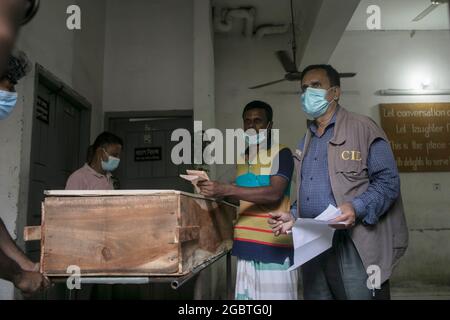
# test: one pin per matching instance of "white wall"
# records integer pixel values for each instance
(75, 58)
(148, 55)
(88, 59)
(203, 59)
(394, 59)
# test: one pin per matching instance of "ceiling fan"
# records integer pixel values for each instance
(290, 65)
(434, 4)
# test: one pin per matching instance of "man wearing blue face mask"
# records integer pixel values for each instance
(345, 160)
(17, 68)
(8, 101)
(103, 159)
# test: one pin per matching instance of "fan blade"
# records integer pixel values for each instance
(267, 84)
(288, 65)
(427, 11)
(347, 75)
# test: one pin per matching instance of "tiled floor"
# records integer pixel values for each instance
(416, 291)
(421, 292)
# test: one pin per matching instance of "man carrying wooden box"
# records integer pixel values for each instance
(14, 265)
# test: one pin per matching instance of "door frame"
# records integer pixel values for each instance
(45, 77)
(109, 116)
(53, 82)
(143, 115)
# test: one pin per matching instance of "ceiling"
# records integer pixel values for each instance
(270, 11)
(398, 15)
(319, 23)
(267, 10)
(395, 14)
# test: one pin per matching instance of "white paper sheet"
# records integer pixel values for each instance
(313, 236)
(194, 176)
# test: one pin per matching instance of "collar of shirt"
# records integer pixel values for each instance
(97, 174)
(313, 125)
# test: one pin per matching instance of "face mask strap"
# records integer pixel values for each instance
(107, 154)
(335, 98)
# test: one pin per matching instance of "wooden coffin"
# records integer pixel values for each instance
(131, 233)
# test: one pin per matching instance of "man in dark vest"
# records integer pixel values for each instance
(345, 160)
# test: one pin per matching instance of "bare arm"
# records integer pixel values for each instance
(12, 251)
(259, 195)
(26, 281)
(9, 269)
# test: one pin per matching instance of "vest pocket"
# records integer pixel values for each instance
(352, 170)
(400, 240)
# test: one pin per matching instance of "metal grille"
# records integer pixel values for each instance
(43, 110)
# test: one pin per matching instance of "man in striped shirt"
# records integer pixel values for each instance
(262, 187)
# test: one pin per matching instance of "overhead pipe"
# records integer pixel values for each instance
(223, 19)
(223, 22)
(266, 30)
(220, 23)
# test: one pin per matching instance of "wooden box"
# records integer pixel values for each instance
(131, 233)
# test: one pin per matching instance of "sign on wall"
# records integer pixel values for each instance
(419, 134)
(147, 154)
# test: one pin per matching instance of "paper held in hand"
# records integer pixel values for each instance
(313, 236)
(194, 176)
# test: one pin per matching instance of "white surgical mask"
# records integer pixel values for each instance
(256, 138)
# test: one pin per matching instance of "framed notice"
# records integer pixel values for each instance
(147, 154)
(419, 134)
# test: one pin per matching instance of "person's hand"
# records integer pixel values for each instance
(281, 222)
(30, 266)
(36, 267)
(348, 216)
(30, 282)
(213, 189)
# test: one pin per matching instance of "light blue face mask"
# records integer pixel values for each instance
(314, 102)
(255, 139)
(8, 101)
(112, 163)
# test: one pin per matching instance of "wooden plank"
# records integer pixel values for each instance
(92, 193)
(43, 262)
(124, 235)
(32, 233)
(80, 193)
(215, 220)
(188, 233)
